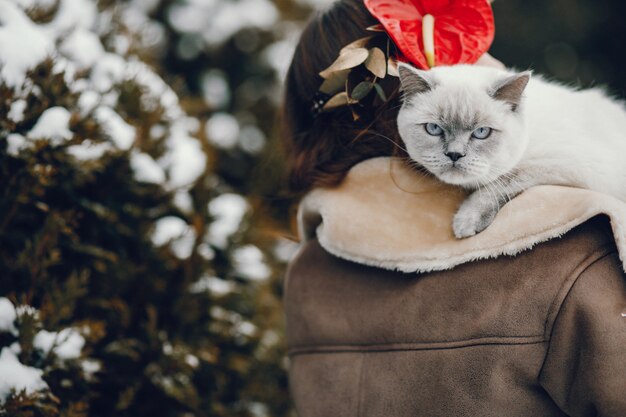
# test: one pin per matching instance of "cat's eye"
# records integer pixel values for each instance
(482, 133)
(433, 129)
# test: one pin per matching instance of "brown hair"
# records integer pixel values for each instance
(321, 150)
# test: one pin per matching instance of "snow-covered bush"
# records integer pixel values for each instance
(131, 283)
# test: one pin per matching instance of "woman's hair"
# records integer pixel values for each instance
(322, 149)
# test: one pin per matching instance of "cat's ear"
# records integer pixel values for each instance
(511, 89)
(413, 80)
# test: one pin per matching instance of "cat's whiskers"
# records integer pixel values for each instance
(503, 190)
(495, 193)
(496, 189)
(511, 180)
(419, 169)
(489, 191)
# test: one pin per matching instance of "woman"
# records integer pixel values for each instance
(541, 333)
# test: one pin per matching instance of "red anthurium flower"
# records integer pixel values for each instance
(463, 29)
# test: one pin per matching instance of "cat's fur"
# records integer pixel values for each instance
(543, 133)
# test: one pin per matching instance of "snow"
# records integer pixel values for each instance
(285, 249)
(218, 21)
(90, 366)
(29, 4)
(61, 65)
(183, 201)
(239, 325)
(121, 44)
(244, 328)
(83, 48)
(108, 71)
(73, 14)
(317, 4)
(186, 18)
(7, 316)
(167, 229)
(252, 139)
(248, 262)
(146, 169)
(278, 55)
(148, 33)
(22, 377)
(53, 124)
(89, 150)
(15, 144)
(206, 251)
(215, 89)
(192, 361)
(167, 348)
(183, 247)
(74, 27)
(15, 348)
(147, 6)
(16, 113)
(24, 309)
(270, 338)
(222, 130)
(189, 46)
(227, 211)
(220, 313)
(214, 285)
(157, 131)
(120, 132)
(184, 159)
(157, 92)
(23, 45)
(233, 16)
(66, 344)
(88, 101)
(110, 99)
(175, 231)
(258, 409)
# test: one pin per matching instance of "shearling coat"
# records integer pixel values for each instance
(389, 316)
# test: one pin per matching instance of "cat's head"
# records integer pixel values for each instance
(465, 124)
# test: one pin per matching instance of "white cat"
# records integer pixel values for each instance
(498, 133)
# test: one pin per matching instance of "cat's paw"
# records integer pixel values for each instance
(472, 218)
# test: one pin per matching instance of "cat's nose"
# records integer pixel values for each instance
(455, 156)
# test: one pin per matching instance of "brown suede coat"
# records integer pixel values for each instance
(539, 334)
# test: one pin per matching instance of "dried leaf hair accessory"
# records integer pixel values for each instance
(343, 86)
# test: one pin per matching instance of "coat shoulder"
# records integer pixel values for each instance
(502, 298)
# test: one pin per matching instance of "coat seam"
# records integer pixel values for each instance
(563, 301)
(563, 292)
(408, 347)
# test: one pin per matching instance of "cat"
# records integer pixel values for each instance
(497, 133)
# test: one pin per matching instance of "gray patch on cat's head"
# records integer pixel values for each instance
(460, 99)
(456, 113)
(414, 81)
(511, 89)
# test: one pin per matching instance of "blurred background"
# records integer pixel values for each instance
(144, 226)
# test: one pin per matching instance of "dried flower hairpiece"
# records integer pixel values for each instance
(342, 88)
(424, 32)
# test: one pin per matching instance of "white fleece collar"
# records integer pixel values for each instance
(387, 215)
